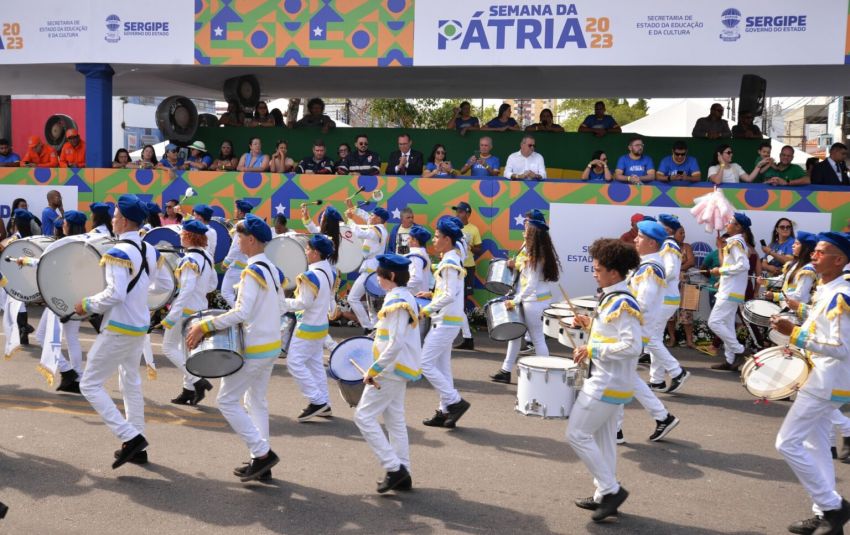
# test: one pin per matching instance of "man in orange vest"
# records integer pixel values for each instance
(73, 153)
(39, 154)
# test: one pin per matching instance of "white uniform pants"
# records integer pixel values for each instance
(647, 399)
(355, 296)
(437, 363)
(41, 329)
(71, 332)
(464, 329)
(840, 421)
(251, 422)
(230, 279)
(533, 314)
(304, 362)
(388, 402)
(172, 346)
(662, 361)
(803, 440)
(121, 353)
(592, 433)
(722, 323)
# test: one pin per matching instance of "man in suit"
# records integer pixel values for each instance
(405, 160)
(833, 170)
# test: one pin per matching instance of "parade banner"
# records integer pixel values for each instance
(656, 32)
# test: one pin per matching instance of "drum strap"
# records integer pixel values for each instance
(203, 255)
(322, 271)
(143, 252)
(271, 274)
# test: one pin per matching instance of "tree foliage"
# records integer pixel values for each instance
(572, 111)
(421, 112)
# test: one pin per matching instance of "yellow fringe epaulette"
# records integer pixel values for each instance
(623, 305)
(646, 274)
(668, 248)
(253, 274)
(807, 273)
(301, 279)
(109, 259)
(839, 305)
(191, 265)
(2, 280)
(734, 243)
(47, 374)
(459, 269)
(399, 306)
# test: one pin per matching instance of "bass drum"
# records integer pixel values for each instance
(350, 251)
(22, 283)
(289, 254)
(70, 271)
(165, 236)
(157, 301)
(348, 377)
(222, 227)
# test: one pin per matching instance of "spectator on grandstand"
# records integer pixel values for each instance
(198, 159)
(234, 116)
(261, 117)
(438, 166)
(525, 164)
(786, 173)
(172, 159)
(172, 215)
(39, 154)
(763, 162)
(226, 160)
(7, 157)
(73, 153)
(318, 163)
(714, 126)
(280, 162)
(148, 159)
(362, 161)
(679, 166)
(254, 159)
(598, 123)
(343, 151)
(635, 166)
(833, 170)
(547, 123)
(315, 117)
(503, 122)
(745, 129)
(724, 171)
(121, 159)
(462, 119)
(406, 160)
(277, 115)
(597, 169)
(810, 164)
(483, 163)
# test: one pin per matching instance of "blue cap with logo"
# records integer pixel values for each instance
(195, 226)
(382, 213)
(838, 239)
(393, 262)
(463, 205)
(333, 213)
(743, 220)
(807, 237)
(257, 228)
(323, 244)
(74, 217)
(203, 210)
(132, 208)
(670, 221)
(244, 206)
(652, 230)
(104, 207)
(420, 234)
(447, 228)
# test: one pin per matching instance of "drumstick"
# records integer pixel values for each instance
(361, 370)
(569, 303)
(317, 203)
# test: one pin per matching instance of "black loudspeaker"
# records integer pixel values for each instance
(751, 98)
(54, 129)
(177, 119)
(245, 90)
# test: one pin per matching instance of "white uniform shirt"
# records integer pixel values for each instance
(734, 270)
(532, 287)
(212, 240)
(518, 164)
(313, 297)
(671, 258)
(647, 285)
(396, 349)
(235, 258)
(374, 241)
(420, 270)
(800, 286)
(196, 277)
(447, 303)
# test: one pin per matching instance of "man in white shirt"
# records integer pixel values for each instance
(526, 163)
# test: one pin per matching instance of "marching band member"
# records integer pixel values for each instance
(663, 362)
(205, 214)
(153, 220)
(803, 438)
(733, 283)
(397, 355)
(23, 229)
(257, 308)
(420, 262)
(612, 353)
(798, 276)
(101, 218)
(313, 294)
(329, 221)
(374, 236)
(129, 266)
(235, 260)
(445, 310)
(540, 267)
(196, 277)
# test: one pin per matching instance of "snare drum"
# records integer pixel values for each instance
(157, 301)
(586, 304)
(70, 271)
(424, 323)
(546, 386)
(551, 317)
(500, 278)
(775, 372)
(759, 311)
(21, 283)
(690, 297)
(562, 305)
(350, 251)
(167, 236)
(568, 335)
(287, 329)
(777, 337)
(374, 295)
(503, 324)
(220, 352)
(289, 254)
(222, 227)
(348, 377)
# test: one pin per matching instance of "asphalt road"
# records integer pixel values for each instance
(498, 472)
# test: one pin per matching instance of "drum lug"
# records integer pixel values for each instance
(532, 406)
(546, 376)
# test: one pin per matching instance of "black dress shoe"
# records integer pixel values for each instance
(805, 527)
(466, 343)
(739, 361)
(201, 387)
(501, 376)
(139, 458)
(393, 480)
(130, 449)
(407, 484)
(587, 503)
(258, 467)
(240, 471)
(644, 359)
(833, 520)
(3, 510)
(437, 420)
(725, 366)
(186, 397)
(609, 504)
(844, 453)
(834, 451)
(315, 409)
(70, 382)
(455, 411)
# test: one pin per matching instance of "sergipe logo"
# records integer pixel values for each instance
(731, 19)
(448, 30)
(113, 29)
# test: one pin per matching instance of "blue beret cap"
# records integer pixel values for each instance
(453, 220)
(539, 224)
(393, 262)
(203, 210)
(257, 228)
(463, 205)
(652, 230)
(535, 214)
(447, 228)
(670, 221)
(838, 239)
(23, 215)
(333, 213)
(195, 226)
(323, 244)
(743, 220)
(132, 208)
(153, 208)
(58, 223)
(807, 238)
(649, 218)
(244, 206)
(382, 213)
(420, 234)
(171, 146)
(105, 207)
(75, 218)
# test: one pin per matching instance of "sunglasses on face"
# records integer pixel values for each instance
(531, 145)
(727, 152)
(784, 227)
(680, 153)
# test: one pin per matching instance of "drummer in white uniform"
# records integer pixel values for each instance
(257, 309)
(23, 229)
(397, 355)
(374, 236)
(101, 218)
(235, 260)
(313, 294)
(205, 214)
(662, 362)
(612, 353)
(803, 438)
(196, 277)
(420, 262)
(329, 221)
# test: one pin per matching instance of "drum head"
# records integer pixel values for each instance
(508, 331)
(562, 306)
(775, 373)
(358, 349)
(547, 363)
(762, 308)
(214, 363)
(222, 241)
(778, 338)
(350, 251)
(373, 287)
(588, 302)
(68, 273)
(159, 300)
(558, 313)
(22, 283)
(167, 236)
(289, 254)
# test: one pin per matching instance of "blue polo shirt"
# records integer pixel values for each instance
(461, 123)
(479, 170)
(10, 158)
(48, 219)
(606, 122)
(496, 123)
(637, 167)
(593, 176)
(670, 168)
(206, 159)
(165, 163)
